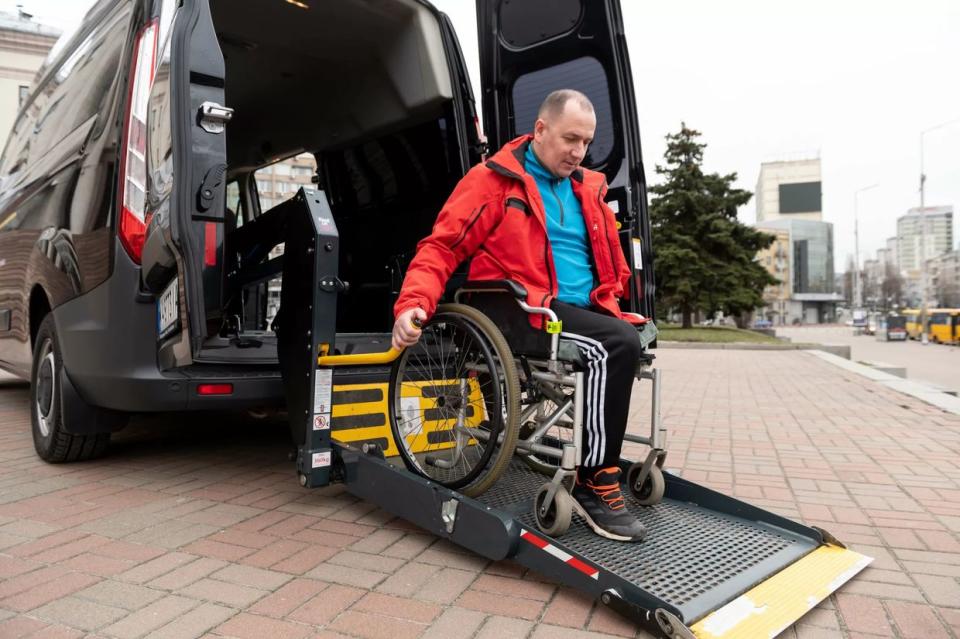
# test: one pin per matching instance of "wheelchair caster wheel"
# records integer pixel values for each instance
(553, 520)
(650, 491)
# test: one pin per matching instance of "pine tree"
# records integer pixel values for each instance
(705, 258)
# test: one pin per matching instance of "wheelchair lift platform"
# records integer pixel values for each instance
(711, 566)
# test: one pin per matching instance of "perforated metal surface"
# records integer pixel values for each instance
(693, 558)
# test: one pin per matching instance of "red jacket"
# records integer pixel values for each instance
(495, 215)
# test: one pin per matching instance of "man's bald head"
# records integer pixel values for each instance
(553, 105)
(563, 131)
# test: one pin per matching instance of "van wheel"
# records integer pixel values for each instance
(51, 441)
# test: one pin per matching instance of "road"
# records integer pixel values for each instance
(936, 364)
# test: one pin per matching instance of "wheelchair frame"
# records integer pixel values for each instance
(550, 377)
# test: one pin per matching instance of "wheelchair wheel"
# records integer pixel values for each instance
(649, 492)
(554, 520)
(454, 403)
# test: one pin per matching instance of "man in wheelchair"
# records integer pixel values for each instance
(533, 215)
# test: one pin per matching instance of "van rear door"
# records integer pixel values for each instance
(527, 51)
(187, 158)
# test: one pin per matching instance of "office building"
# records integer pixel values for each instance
(789, 189)
(24, 44)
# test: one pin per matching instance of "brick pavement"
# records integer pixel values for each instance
(196, 527)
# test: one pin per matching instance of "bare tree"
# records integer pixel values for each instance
(891, 290)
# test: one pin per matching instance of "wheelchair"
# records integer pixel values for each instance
(482, 386)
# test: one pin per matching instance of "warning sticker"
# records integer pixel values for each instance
(411, 416)
(322, 390)
(321, 421)
(637, 254)
(321, 459)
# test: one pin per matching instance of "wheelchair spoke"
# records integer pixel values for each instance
(447, 404)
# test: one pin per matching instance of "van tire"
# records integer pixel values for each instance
(50, 439)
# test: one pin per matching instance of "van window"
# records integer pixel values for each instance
(276, 183)
(281, 180)
(526, 23)
(235, 203)
(583, 74)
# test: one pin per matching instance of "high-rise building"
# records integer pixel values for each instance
(943, 280)
(789, 202)
(912, 243)
(776, 259)
(789, 189)
(24, 44)
(894, 256)
(812, 293)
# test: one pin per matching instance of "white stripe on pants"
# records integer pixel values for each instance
(596, 390)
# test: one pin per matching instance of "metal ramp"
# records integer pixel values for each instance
(692, 558)
(711, 566)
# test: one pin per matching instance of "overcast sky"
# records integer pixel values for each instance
(855, 81)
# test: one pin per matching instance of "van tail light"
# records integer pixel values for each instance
(132, 192)
(215, 389)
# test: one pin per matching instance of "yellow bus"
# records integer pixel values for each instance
(914, 327)
(943, 327)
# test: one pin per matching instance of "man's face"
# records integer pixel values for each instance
(561, 141)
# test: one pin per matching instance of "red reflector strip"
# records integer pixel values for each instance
(210, 244)
(215, 389)
(566, 558)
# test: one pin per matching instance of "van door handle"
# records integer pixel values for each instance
(213, 117)
(208, 189)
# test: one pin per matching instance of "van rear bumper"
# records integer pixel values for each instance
(108, 339)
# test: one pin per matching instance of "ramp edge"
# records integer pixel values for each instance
(774, 605)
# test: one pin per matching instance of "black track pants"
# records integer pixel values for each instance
(611, 347)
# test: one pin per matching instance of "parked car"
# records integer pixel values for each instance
(131, 172)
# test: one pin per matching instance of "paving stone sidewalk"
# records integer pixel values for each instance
(195, 526)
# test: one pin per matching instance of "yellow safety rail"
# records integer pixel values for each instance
(359, 359)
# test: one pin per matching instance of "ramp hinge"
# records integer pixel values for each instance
(448, 513)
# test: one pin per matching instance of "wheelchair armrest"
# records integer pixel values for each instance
(494, 286)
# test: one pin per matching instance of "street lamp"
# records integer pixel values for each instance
(857, 293)
(923, 235)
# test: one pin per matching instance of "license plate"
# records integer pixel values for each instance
(168, 312)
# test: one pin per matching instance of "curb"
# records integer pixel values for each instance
(918, 390)
(840, 350)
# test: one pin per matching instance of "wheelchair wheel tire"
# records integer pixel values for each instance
(651, 491)
(429, 384)
(554, 520)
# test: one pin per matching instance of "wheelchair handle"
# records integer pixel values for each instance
(365, 359)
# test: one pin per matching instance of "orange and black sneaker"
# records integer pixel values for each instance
(600, 502)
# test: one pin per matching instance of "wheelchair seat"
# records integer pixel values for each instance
(497, 299)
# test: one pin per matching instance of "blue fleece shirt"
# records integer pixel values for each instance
(566, 231)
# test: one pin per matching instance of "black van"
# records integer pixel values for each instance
(129, 177)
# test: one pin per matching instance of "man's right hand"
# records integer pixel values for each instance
(405, 334)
